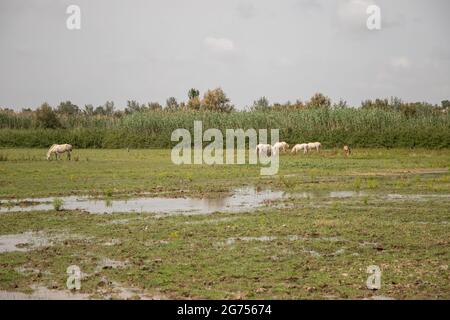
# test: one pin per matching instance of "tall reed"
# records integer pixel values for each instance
(332, 127)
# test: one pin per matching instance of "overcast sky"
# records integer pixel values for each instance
(148, 50)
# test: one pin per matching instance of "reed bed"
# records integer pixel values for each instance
(332, 127)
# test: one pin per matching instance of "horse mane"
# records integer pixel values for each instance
(50, 149)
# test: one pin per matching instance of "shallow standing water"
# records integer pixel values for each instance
(241, 200)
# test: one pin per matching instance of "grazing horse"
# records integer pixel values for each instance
(264, 149)
(59, 148)
(298, 147)
(347, 150)
(315, 145)
(280, 147)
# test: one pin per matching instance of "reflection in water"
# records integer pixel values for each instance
(108, 203)
(242, 199)
(214, 203)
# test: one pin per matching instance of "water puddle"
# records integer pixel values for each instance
(43, 293)
(115, 290)
(242, 199)
(416, 197)
(22, 242)
(28, 241)
(346, 194)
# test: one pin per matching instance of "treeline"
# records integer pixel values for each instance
(69, 115)
(379, 123)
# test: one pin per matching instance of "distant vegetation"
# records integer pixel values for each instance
(376, 123)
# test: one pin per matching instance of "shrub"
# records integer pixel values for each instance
(57, 204)
(46, 117)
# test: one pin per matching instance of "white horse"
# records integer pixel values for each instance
(264, 149)
(59, 148)
(315, 145)
(347, 150)
(299, 147)
(280, 147)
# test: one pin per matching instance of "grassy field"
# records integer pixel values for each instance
(314, 246)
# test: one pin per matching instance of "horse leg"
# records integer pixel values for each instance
(68, 155)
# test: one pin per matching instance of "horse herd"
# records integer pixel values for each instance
(261, 149)
(283, 147)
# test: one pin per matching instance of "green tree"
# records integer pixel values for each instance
(133, 106)
(109, 108)
(88, 109)
(46, 117)
(100, 111)
(172, 103)
(194, 102)
(342, 104)
(67, 108)
(262, 104)
(193, 93)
